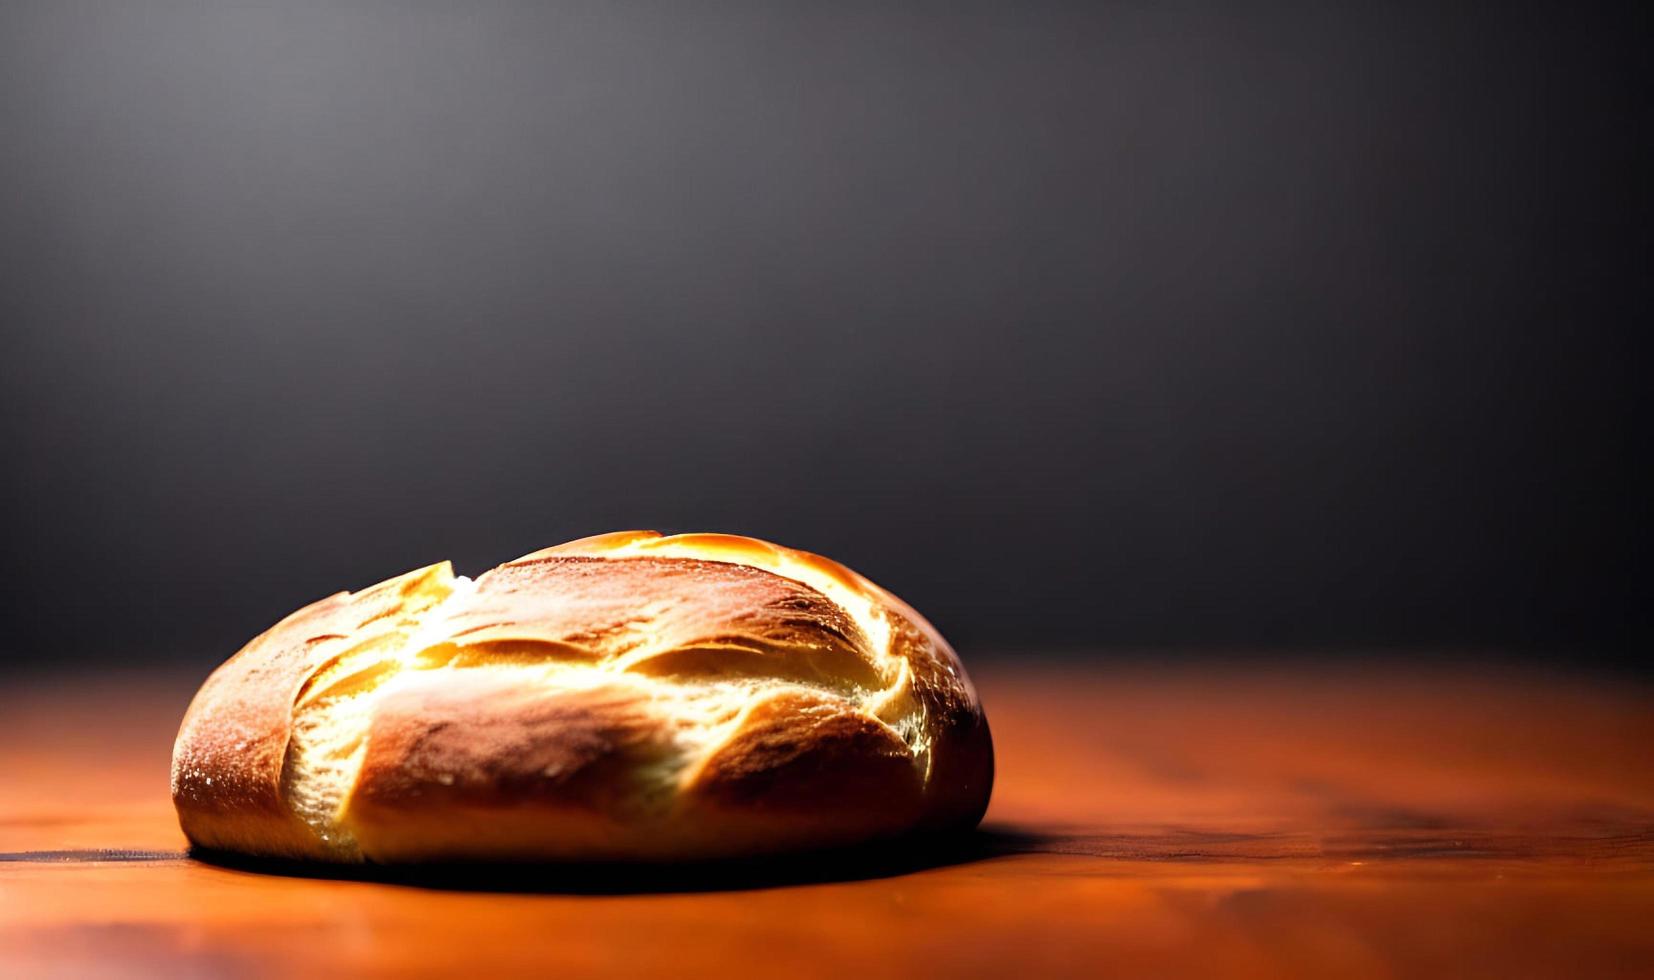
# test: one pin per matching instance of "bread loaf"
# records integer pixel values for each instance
(627, 697)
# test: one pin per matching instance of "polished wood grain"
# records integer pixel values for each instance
(1194, 820)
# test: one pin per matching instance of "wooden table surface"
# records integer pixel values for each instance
(1199, 821)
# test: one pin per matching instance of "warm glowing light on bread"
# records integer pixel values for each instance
(623, 697)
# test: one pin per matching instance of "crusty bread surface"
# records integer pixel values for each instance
(627, 697)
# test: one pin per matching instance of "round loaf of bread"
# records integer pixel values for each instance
(627, 697)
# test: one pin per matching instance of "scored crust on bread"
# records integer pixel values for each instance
(622, 697)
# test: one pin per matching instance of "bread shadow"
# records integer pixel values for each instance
(886, 860)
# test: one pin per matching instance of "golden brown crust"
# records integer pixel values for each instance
(961, 759)
(625, 697)
(227, 761)
(567, 765)
(812, 770)
(662, 617)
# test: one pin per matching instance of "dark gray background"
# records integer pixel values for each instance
(1084, 327)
